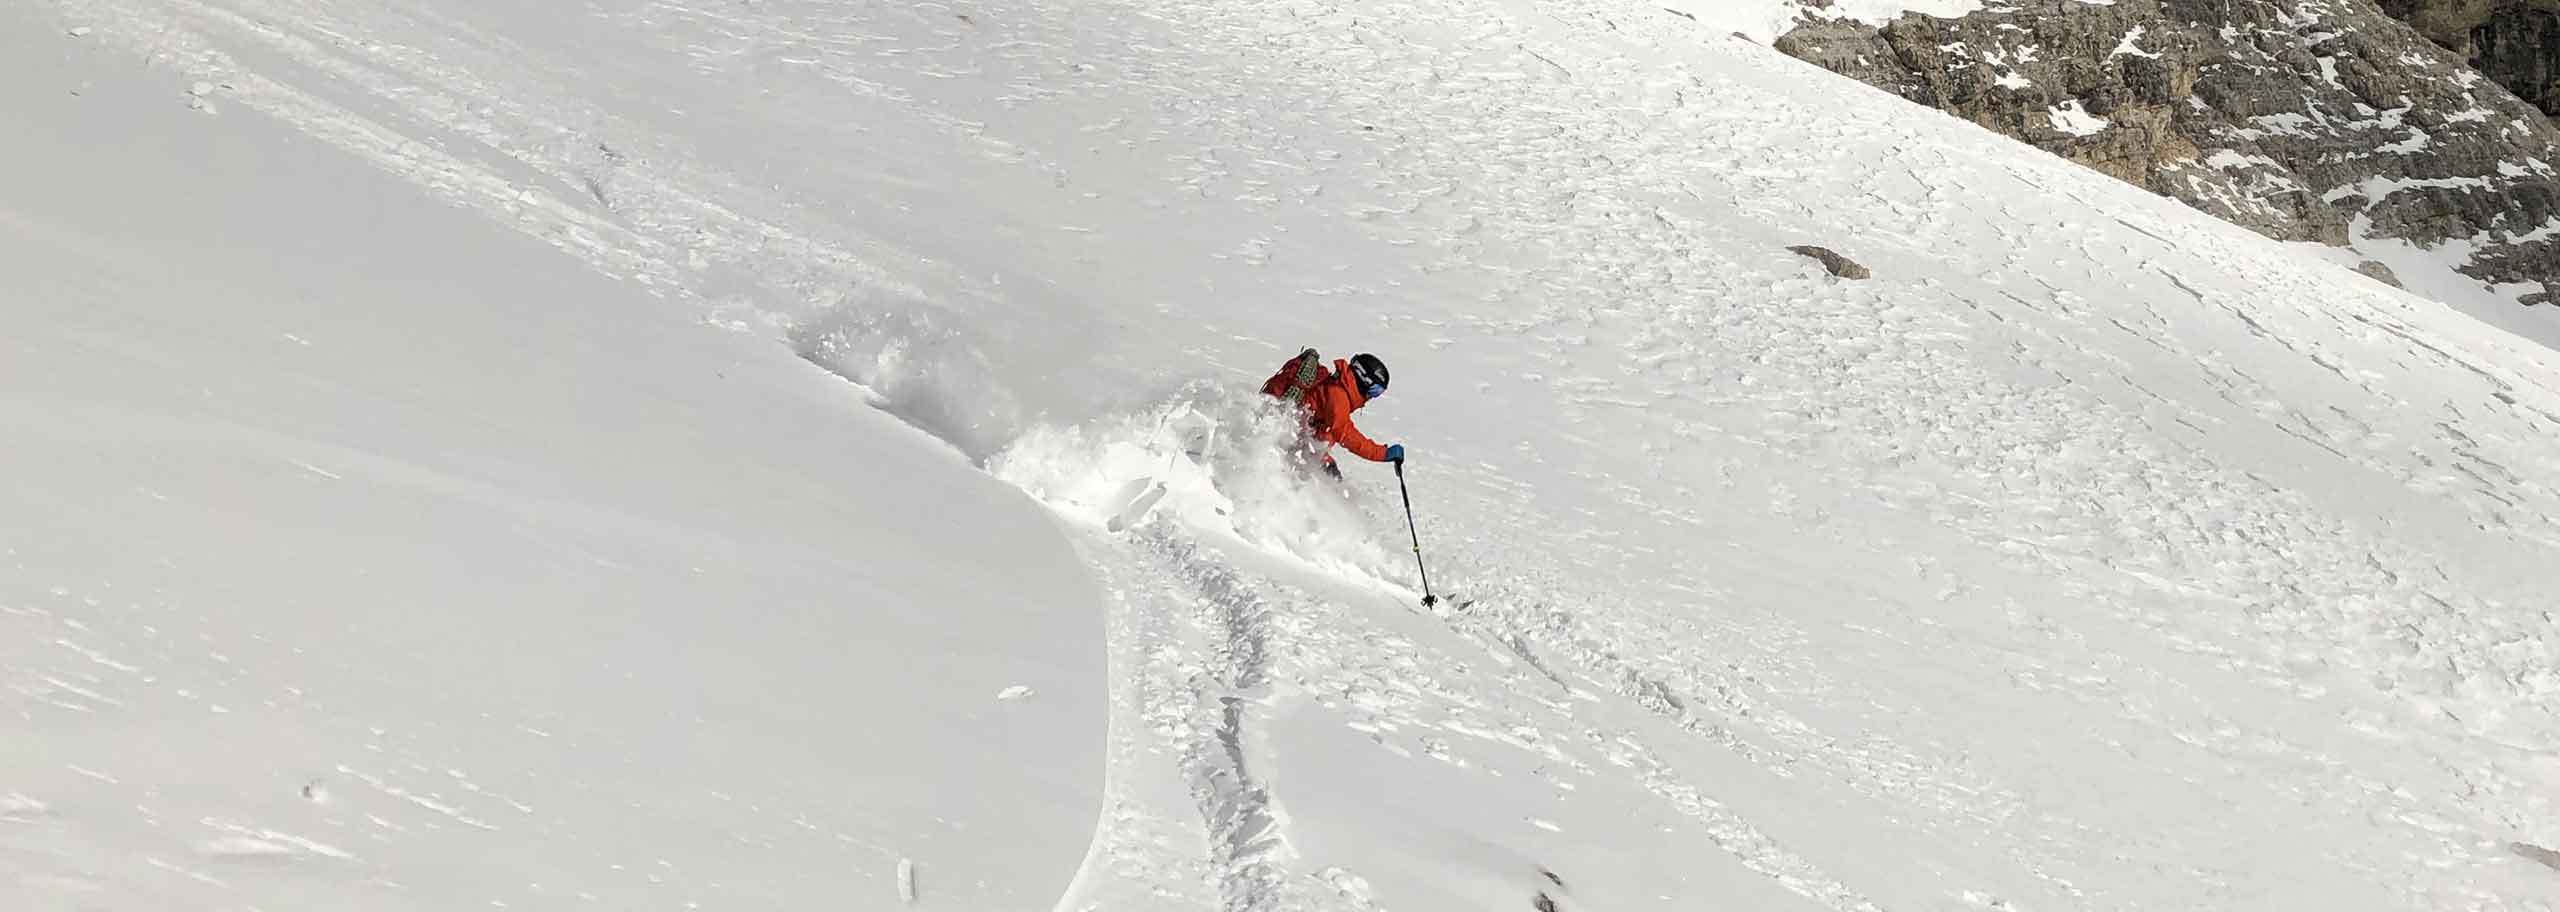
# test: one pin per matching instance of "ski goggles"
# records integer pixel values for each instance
(1373, 390)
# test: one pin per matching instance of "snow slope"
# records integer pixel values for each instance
(2094, 555)
(360, 556)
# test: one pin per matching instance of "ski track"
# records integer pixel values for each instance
(1238, 642)
(1246, 848)
(1567, 183)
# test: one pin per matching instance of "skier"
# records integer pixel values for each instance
(1329, 397)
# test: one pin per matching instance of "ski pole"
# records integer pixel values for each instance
(1427, 598)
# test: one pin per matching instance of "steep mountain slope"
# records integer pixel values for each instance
(2093, 555)
(362, 556)
(2322, 121)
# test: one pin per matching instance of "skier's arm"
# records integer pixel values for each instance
(1348, 434)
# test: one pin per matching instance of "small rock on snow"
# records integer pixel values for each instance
(1841, 266)
(81, 32)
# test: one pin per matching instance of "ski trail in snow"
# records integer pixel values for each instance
(2107, 439)
(1220, 643)
(1247, 848)
(1232, 615)
(1153, 847)
(651, 227)
(1830, 373)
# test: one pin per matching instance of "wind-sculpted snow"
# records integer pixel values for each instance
(362, 554)
(2089, 555)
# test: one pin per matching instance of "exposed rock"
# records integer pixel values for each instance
(2546, 857)
(2316, 120)
(2373, 269)
(1841, 266)
(2516, 42)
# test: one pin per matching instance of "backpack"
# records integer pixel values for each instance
(1295, 378)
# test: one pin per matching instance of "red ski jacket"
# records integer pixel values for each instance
(1329, 406)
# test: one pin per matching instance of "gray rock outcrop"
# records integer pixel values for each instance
(2314, 120)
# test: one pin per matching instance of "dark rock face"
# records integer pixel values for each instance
(2316, 120)
(2516, 42)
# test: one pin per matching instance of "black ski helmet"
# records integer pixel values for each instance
(1369, 372)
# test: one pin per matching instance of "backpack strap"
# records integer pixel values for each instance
(1310, 368)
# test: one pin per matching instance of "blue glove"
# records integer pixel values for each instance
(1395, 452)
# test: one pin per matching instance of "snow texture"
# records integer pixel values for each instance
(547, 455)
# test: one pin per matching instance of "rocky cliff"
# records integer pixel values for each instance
(2315, 120)
(2515, 42)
